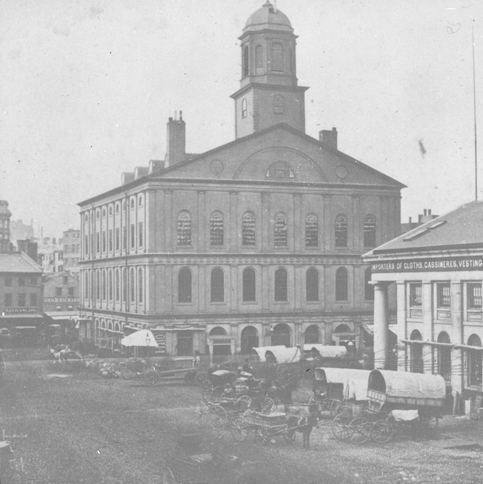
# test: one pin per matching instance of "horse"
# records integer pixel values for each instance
(304, 424)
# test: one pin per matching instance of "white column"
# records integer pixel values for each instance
(427, 326)
(456, 337)
(381, 325)
(401, 324)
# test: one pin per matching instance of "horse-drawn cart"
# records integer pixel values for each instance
(266, 427)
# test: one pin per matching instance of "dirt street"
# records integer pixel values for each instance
(84, 429)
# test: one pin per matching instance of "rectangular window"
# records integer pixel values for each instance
(8, 299)
(98, 242)
(71, 291)
(65, 279)
(8, 282)
(33, 299)
(21, 281)
(58, 291)
(33, 281)
(473, 291)
(104, 241)
(22, 299)
(110, 240)
(133, 236)
(124, 238)
(443, 295)
(415, 295)
(141, 238)
(118, 239)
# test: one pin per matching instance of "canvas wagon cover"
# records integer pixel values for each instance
(327, 351)
(410, 385)
(341, 375)
(281, 353)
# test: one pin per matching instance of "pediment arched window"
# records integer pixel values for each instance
(281, 171)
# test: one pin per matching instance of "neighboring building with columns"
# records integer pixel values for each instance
(257, 242)
(438, 271)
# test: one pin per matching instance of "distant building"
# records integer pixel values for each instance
(5, 215)
(61, 292)
(71, 250)
(21, 296)
(21, 231)
(51, 255)
(438, 270)
(29, 247)
(426, 216)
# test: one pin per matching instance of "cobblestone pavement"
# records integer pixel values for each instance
(84, 429)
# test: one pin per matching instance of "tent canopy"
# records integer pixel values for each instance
(143, 337)
(406, 384)
(341, 375)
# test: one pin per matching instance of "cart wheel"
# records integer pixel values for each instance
(382, 432)
(243, 403)
(341, 426)
(219, 418)
(261, 436)
(238, 429)
(216, 394)
(168, 476)
(335, 407)
(189, 378)
(202, 414)
(289, 437)
(267, 405)
(362, 430)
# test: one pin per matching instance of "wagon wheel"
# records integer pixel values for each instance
(216, 393)
(261, 436)
(201, 379)
(362, 430)
(239, 429)
(382, 432)
(168, 476)
(243, 403)
(206, 392)
(189, 378)
(335, 407)
(267, 405)
(341, 426)
(202, 414)
(219, 417)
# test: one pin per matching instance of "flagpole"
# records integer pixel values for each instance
(474, 113)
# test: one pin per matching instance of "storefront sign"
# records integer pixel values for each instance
(442, 264)
(160, 338)
(19, 310)
(61, 300)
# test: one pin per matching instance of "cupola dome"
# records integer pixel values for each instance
(268, 17)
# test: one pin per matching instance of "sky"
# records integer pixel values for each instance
(87, 86)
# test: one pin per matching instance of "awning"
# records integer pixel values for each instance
(22, 316)
(429, 343)
(468, 347)
(143, 337)
(281, 353)
(54, 325)
(25, 327)
(327, 351)
(369, 329)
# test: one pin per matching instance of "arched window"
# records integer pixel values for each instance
(86, 285)
(216, 228)
(281, 335)
(117, 284)
(124, 284)
(184, 228)
(132, 283)
(244, 108)
(280, 170)
(109, 288)
(280, 230)
(249, 339)
(132, 203)
(444, 356)
(290, 60)
(416, 362)
(259, 57)
(110, 209)
(340, 231)
(104, 211)
(368, 287)
(370, 231)
(312, 335)
(249, 285)
(312, 284)
(341, 284)
(474, 361)
(184, 285)
(117, 207)
(218, 331)
(140, 201)
(87, 217)
(280, 284)
(277, 57)
(278, 104)
(217, 285)
(246, 61)
(248, 229)
(311, 230)
(140, 285)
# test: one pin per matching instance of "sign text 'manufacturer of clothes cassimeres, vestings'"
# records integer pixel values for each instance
(427, 265)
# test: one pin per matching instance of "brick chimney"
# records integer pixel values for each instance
(329, 137)
(176, 140)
